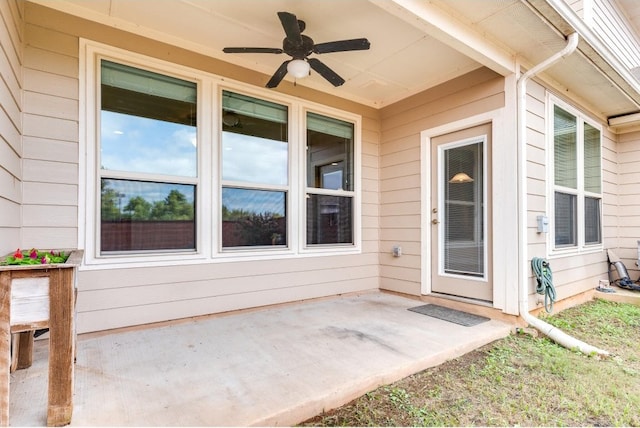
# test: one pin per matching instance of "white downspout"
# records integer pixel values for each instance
(550, 331)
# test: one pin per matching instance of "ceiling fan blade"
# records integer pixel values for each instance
(278, 75)
(253, 50)
(342, 45)
(325, 72)
(291, 27)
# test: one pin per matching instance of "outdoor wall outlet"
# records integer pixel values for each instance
(543, 224)
(396, 251)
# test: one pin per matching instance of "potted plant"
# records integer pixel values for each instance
(37, 291)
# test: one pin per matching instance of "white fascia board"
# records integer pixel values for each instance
(443, 27)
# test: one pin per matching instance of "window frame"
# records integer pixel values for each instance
(580, 193)
(308, 190)
(209, 181)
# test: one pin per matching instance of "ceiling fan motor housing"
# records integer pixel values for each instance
(298, 50)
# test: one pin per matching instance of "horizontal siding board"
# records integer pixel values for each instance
(44, 38)
(50, 237)
(400, 234)
(9, 161)
(400, 286)
(407, 142)
(399, 183)
(50, 172)
(50, 62)
(164, 292)
(408, 248)
(136, 315)
(51, 150)
(400, 158)
(123, 278)
(51, 84)
(405, 274)
(10, 105)
(50, 128)
(52, 106)
(10, 135)
(400, 208)
(9, 214)
(471, 108)
(400, 221)
(404, 195)
(405, 261)
(10, 187)
(10, 40)
(50, 194)
(400, 170)
(50, 216)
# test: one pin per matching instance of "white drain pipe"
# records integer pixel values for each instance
(550, 331)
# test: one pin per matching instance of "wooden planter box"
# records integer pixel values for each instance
(36, 297)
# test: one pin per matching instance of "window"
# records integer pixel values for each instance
(262, 176)
(255, 165)
(329, 191)
(577, 182)
(148, 161)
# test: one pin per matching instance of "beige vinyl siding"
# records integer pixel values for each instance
(50, 164)
(111, 298)
(572, 274)
(612, 27)
(11, 175)
(628, 209)
(477, 92)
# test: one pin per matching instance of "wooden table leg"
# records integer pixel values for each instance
(25, 350)
(61, 347)
(5, 346)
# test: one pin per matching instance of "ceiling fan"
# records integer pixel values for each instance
(299, 47)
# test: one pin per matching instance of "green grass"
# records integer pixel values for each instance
(520, 380)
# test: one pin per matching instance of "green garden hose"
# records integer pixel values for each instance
(544, 276)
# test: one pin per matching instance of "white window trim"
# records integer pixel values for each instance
(209, 182)
(581, 117)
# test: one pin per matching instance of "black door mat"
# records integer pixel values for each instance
(451, 315)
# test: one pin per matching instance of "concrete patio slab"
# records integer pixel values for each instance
(274, 366)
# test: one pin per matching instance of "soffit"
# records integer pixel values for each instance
(415, 44)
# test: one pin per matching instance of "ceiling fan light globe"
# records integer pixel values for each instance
(298, 68)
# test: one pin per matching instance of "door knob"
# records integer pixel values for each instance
(435, 221)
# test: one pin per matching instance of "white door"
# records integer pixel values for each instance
(461, 214)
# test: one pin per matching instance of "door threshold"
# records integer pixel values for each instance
(467, 300)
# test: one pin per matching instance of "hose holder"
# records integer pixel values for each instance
(544, 277)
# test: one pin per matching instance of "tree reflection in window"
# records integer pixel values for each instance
(137, 215)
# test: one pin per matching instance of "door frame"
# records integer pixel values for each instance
(503, 298)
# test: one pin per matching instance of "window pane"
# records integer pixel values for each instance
(329, 153)
(592, 168)
(329, 219)
(148, 122)
(464, 210)
(565, 219)
(139, 215)
(254, 140)
(592, 226)
(253, 217)
(565, 149)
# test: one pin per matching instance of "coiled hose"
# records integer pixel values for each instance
(544, 276)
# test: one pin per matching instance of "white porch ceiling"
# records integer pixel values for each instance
(415, 44)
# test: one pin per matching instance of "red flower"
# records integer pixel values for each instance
(33, 254)
(18, 254)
